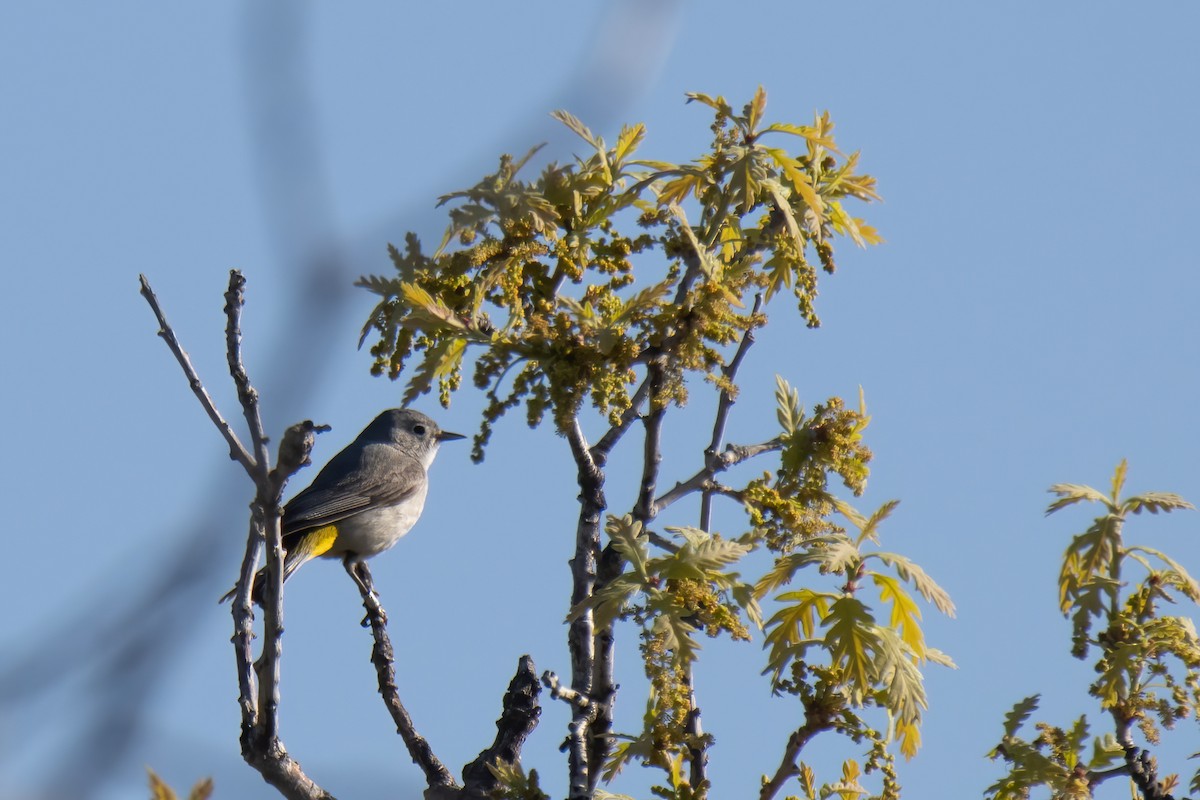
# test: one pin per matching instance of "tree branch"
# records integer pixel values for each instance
(613, 435)
(437, 777)
(284, 773)
(266, 514)
(517, 720)
(564, 693)
(731, 456)
(1143, 770)
(243, 638)
(237, 451)
(644, 510)
(260, 742)
(581, 638)
(724, 405)
(698, 744)
(788, 767)
(235, 300)
(1097, 777)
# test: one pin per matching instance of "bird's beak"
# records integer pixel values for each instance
(447, 436)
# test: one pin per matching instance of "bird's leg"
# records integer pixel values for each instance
(360, 573)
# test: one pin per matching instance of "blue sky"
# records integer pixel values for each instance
(1029, 320)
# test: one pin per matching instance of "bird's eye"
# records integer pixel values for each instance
(419, 430)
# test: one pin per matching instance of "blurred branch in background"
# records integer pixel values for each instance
(116, 654)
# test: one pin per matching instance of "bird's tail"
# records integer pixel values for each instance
(309, 545)
(256, 592)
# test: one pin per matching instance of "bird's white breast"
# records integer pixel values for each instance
(376, 530)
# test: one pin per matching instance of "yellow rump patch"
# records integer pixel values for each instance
(318, 542)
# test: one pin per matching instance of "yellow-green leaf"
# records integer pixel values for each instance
(909, 571)
(905, 614)
(806, 132)
(630, 540)
(799, 179)
(908, 734)
(851, 638)
(159, 790)
(627, 142)
(808, 781)
(848, 788)
(573, 122)
(1118, 479)
(757, 106)
(1155, 502)
(1070, 493)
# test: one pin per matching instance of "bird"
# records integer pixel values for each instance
(365, 499)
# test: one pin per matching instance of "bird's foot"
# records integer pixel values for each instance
(374, 610)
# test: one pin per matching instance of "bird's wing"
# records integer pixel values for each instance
(372, 476)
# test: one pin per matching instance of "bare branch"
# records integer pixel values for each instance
(282, 772)
(437, 777)
(581, 452)
(1143, 771)
(788, 767)
(517, 720)
(260, 743)
(235, 300)
(581, 635)
(267, 515)
(294, 453)
(692, 269)
(1097, 777)
(724, 404)
(644, 510)
(698, 745)
(564, 693)
(243, 638)
(236, 450)
(609, 440)
(295, 449)
(731, 456)
(660, 541)
(266, 526)
(604, 685)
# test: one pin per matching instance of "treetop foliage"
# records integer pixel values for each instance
(614, 280)
(539, 273)
(1147, 663)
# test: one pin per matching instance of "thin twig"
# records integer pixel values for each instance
(644, 510)
(658, 540)
(236, 450)
(1096, 777)
(609, 440)
(788, 767)
(243, 638)
(565, 693)
(731, 456)
(235, 300)
(725, 404)
(268, 521)
(383, 657)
